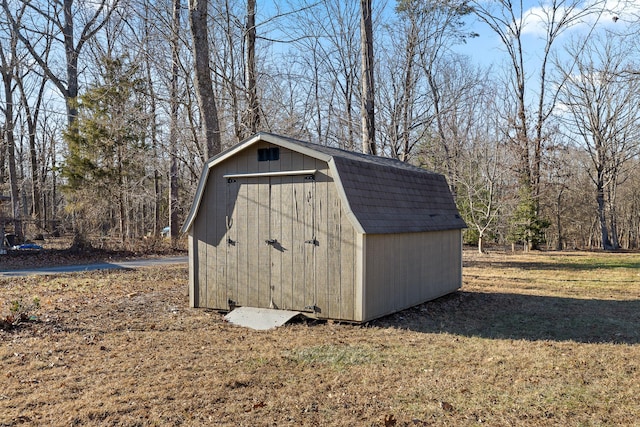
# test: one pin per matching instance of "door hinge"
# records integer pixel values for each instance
(313, 308)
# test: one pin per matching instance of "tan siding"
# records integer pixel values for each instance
(332, 241)
(297, 236)
(329, 306)
(216, 231)
(253, 251)
(287, 221)
(360, 275)
(348, 270)
(277, 212)
(348, 261)
(263, 276)
(230, 242)
(376, 288)
(200, 231)
(193, 270)
(242, 230)
(310, 201)
(432, 268)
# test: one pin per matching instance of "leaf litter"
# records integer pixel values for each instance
(124, 348)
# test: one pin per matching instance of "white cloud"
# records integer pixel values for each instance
(605, 13)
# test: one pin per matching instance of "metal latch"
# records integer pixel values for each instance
(271, 242)
(313, 242)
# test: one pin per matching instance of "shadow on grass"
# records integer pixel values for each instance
(527, 317)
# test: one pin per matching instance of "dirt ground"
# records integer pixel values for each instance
(531, 340)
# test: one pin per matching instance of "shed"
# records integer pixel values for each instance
(287, 224)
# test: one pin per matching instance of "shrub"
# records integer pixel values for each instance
(20, 312)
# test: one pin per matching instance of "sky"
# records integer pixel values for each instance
(488, 50)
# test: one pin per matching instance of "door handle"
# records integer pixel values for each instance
(271, 242)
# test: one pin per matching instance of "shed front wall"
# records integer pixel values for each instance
(310, 264)
(403, 270)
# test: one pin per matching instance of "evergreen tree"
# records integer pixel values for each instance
(106, 145)
(526, 225)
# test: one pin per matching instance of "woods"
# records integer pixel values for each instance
(109, 110)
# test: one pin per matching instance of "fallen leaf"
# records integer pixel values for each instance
(389, 420)
(446, 406)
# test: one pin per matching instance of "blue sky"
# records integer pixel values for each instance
(488, 50)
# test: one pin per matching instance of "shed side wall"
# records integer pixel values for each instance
(403, 270)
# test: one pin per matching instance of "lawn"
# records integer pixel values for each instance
(530, 339)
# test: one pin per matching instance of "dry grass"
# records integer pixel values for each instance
(540, 339)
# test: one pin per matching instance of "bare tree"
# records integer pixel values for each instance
(326, 59)
(8, 70)
(366, 80)
(406, 117)
(31, 114)
(424, 80)
(198, 18)
(253, 107)
(603, 115)
(510, 20)
(66, 17)
(481, 179)
(173, 123)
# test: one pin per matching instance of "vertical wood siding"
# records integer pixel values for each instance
(193, 262)
(403, 270)
(311, 265)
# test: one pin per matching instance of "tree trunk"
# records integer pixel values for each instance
(229, 63)
(253, 113)
(71, 95)
(32, 120)
(11, 155)
(367, 104)
(606, 243)
(173, 127)
(204, 86)
(559, 220)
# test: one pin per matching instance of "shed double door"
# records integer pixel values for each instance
(271, 241)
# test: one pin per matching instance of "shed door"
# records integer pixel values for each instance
(271, 241)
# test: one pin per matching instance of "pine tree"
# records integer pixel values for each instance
(105, 149)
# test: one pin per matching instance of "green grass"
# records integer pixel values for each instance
(336, 356)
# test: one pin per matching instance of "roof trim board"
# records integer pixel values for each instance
(343, 196)
(266, 174)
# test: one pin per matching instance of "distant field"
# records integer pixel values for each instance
(534, 340)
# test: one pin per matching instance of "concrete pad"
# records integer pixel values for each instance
(260, 319)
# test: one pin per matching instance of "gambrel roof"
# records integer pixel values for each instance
(380, 195)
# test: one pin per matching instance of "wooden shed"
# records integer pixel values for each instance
(281, 223)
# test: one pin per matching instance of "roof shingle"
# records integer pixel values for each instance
(390, 196)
